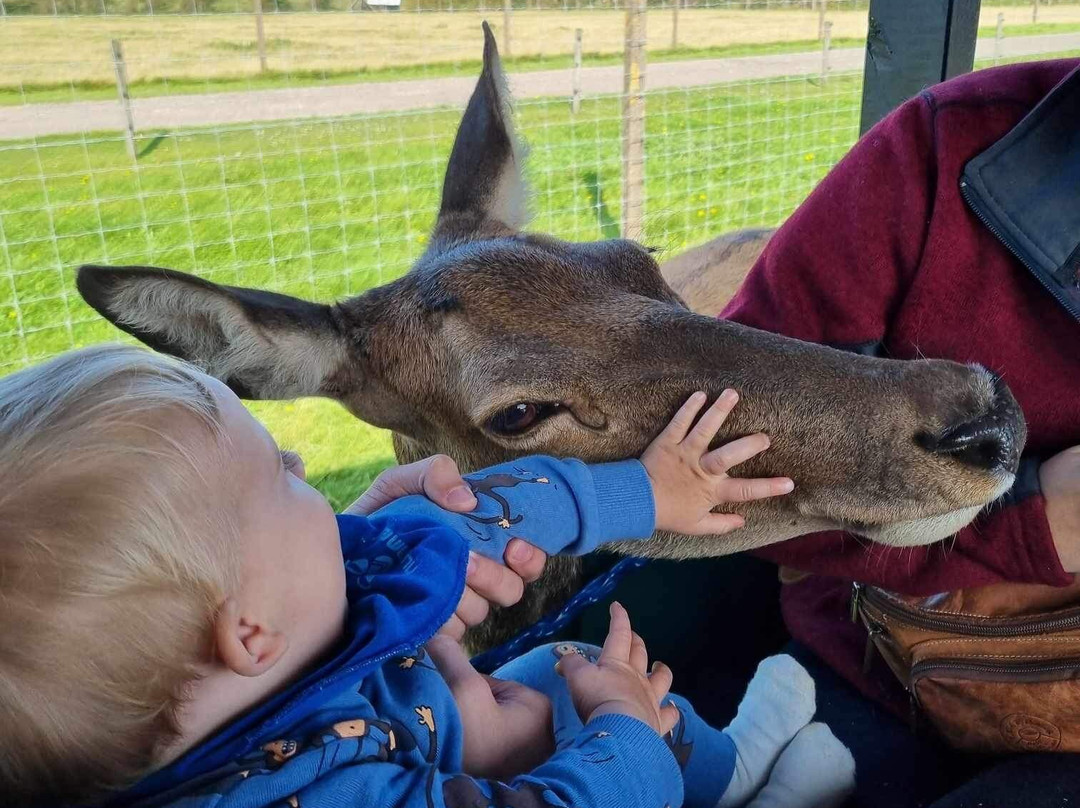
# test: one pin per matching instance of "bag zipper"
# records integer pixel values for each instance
(1004, 627)
(966, 193)
(985, 670)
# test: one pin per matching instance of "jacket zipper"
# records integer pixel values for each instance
(861, 593)
(965, 191)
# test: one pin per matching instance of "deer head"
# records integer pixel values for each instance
(500, 343)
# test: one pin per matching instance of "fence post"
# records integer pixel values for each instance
(633, 126)
(575, 77)
(675, 24)
(821, 19)
(1034, 11)
(508, 6)
(260, 35)
(120, 69)
(826, 42)
(998, 36)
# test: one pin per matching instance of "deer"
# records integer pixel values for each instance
(500, 343)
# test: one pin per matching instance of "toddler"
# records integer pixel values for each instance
(185, 622)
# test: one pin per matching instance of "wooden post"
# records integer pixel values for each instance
(120, 69)
(575, 81)
(508, 6)
(675, 23)
(633, 128)
(826, 42)
(260, 35)
(998, 36)
(1034, 11)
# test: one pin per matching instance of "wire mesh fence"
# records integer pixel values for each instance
(312, 165)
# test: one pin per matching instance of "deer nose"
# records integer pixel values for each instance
(992, 441)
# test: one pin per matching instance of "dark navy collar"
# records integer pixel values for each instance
(1026, 190)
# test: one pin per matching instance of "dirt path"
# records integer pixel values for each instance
(181, 111)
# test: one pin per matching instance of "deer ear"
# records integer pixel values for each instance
(263, 345)
(483, 184)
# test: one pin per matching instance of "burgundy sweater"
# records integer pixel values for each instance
(886, 251)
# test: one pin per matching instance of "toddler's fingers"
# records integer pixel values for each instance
(639, 656)
(680, 423)
(729, 455)
(619, 637)
(706, 428)
(669, 717)
(739, 489)
(660, 679)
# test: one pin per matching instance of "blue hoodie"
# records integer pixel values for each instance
(374, 724)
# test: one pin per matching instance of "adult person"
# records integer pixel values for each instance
(951, 230)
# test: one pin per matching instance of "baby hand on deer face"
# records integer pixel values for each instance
(689, 480)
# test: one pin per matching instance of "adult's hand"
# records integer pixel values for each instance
(487, 581)
(507, 726)
(1060, 480)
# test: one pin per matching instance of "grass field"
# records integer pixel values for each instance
(331, 208)
(68, 57)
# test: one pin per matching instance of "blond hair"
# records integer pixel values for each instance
(110, 566)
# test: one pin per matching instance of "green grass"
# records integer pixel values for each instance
(98, 91)
(60, 92)
(331, 208)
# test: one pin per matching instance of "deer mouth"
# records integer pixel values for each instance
(916, 532)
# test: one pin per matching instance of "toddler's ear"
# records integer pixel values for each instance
(244, 645)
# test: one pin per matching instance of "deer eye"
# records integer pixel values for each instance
(521, 416)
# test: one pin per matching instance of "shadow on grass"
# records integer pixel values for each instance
(153, 144)
(609, 228)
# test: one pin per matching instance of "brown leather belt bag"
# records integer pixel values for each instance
(993, 669)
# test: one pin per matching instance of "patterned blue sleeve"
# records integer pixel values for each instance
(616, 762)
(560, 506)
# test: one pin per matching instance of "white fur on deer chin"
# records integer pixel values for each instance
(930, 529)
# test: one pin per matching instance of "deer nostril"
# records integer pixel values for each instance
(985, 443)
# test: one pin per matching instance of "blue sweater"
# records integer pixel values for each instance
(374, 724)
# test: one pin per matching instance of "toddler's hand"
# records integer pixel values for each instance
(618, 682)
(689, 481)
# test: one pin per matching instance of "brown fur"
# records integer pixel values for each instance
(491, 316)
(708, 276)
